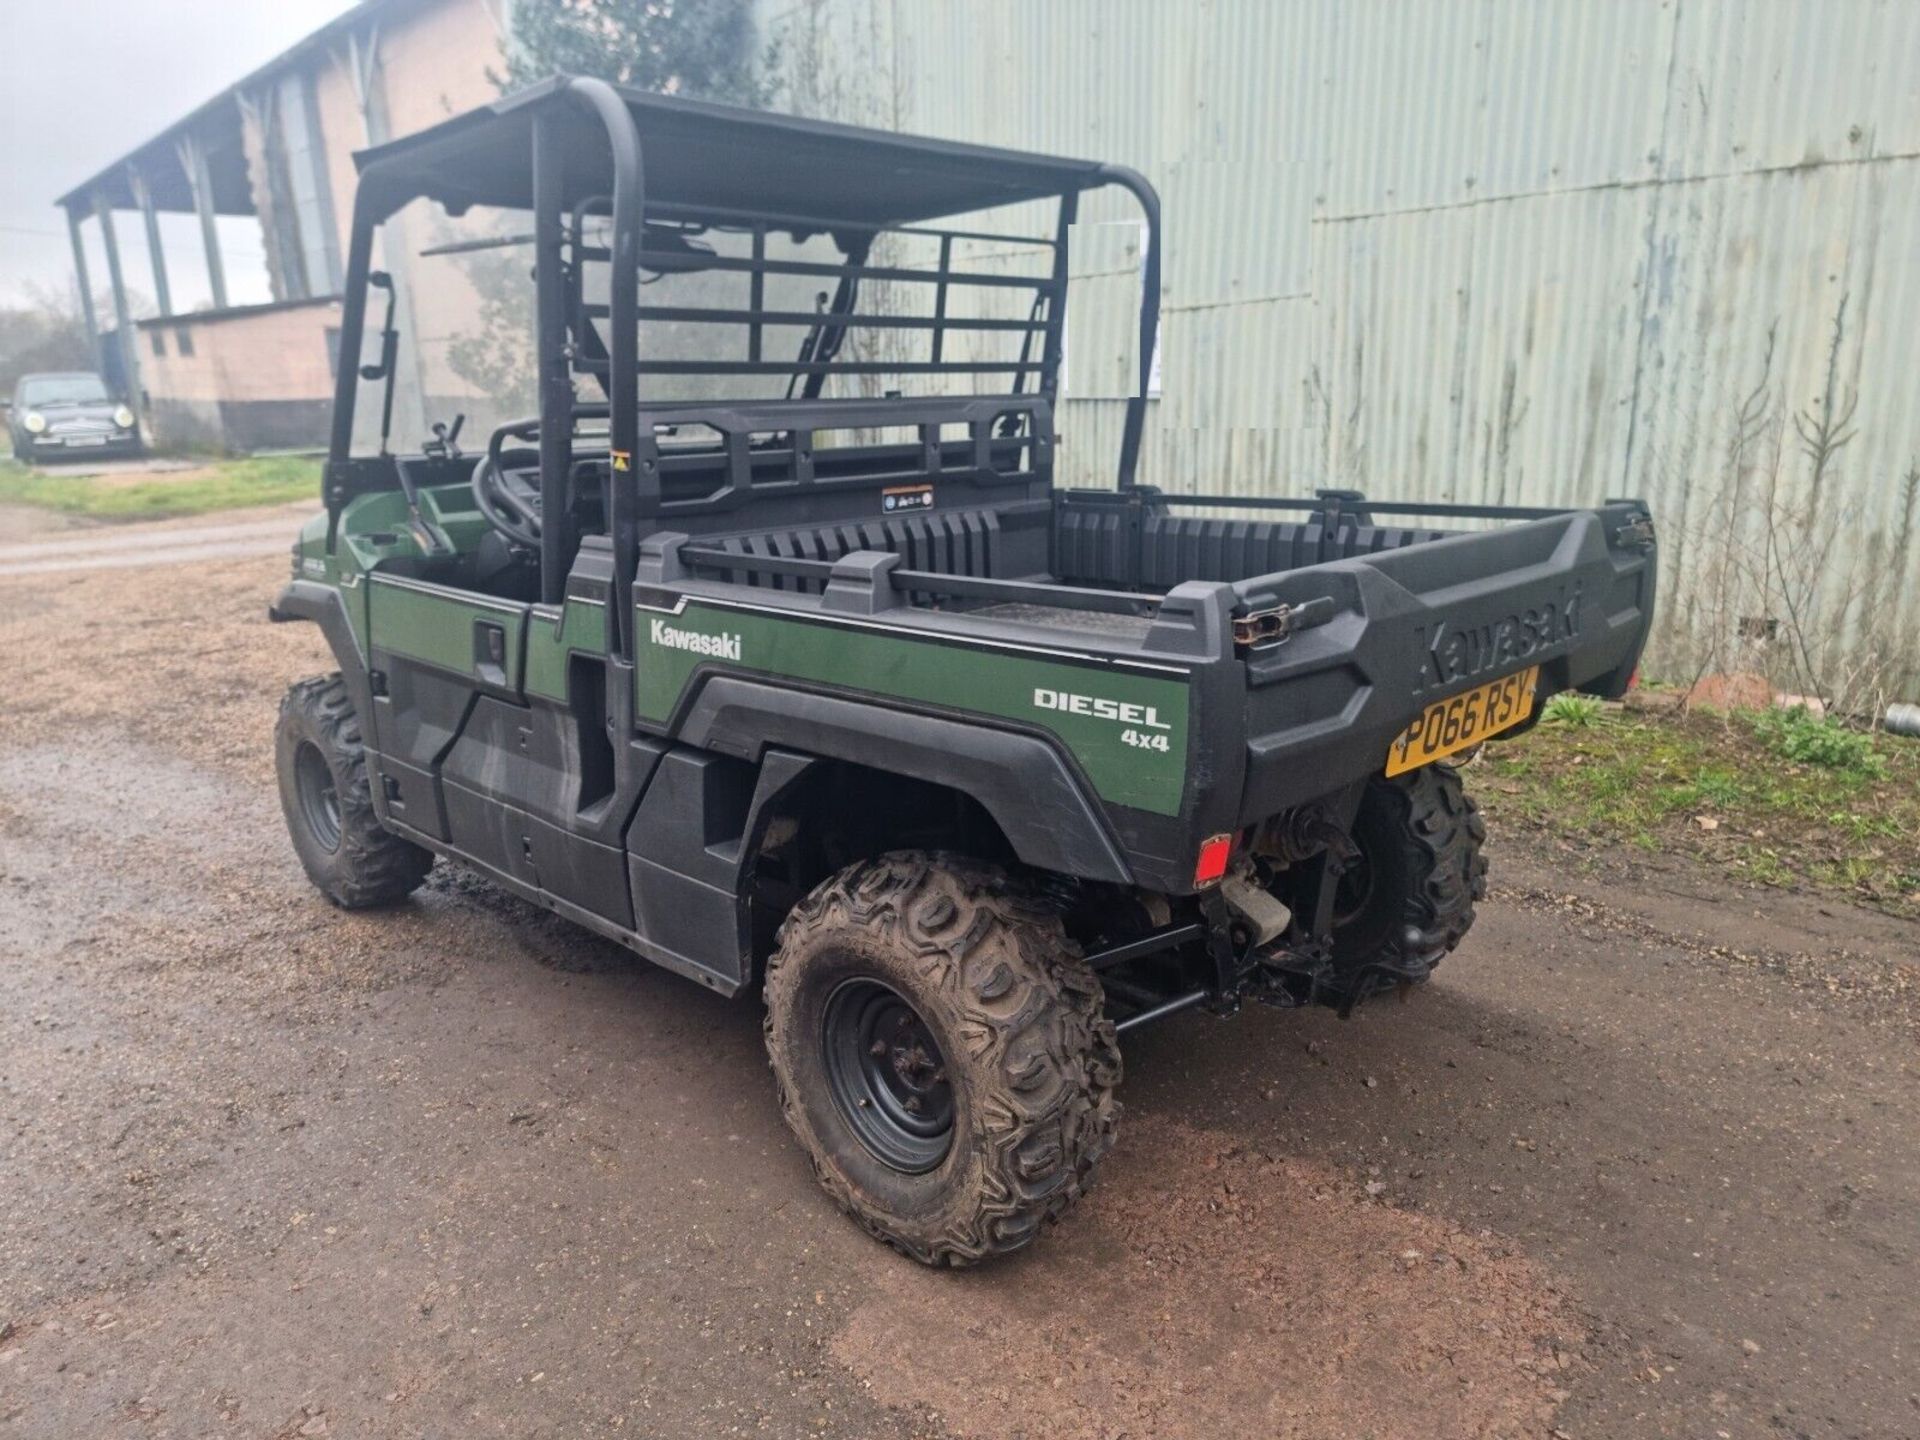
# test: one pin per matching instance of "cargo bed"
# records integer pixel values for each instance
(1304, 646)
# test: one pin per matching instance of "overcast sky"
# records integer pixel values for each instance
(87, 80)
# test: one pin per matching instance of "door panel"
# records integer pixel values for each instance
(505, 730)
(449, 728)
(483, 780)
(456, 632)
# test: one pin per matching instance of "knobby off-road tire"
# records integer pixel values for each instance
(328, 801)
(1027, 1061)
(1410, 899)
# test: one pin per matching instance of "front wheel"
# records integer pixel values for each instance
(328, 801)
(941, 1053)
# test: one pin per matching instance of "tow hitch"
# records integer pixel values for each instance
(1247, 943)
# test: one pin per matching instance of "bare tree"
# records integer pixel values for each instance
(44, 332)
(1762, 591)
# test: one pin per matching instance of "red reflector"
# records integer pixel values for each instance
(1633, 680)
(1213, 859)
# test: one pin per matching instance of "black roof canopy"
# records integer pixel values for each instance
(705, 158)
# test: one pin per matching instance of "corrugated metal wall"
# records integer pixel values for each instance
(1531, 253)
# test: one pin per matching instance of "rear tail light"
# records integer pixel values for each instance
(1212, 864)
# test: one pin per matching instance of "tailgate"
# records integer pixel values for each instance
(1572, 594)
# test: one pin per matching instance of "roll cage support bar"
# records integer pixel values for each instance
(634, 490)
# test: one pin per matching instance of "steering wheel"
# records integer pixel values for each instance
(506, 487)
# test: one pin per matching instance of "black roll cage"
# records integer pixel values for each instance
(392, 176)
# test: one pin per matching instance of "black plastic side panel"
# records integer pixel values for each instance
(579, 783)
(419, 714)
(692, 839)
(483, 778)
(487, 756)
(1197, 547)
(580, 871)
(684, 855)
(408, 794)
(1033, 794)
(489, 831)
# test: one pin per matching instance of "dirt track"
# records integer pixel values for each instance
(1643, 1161)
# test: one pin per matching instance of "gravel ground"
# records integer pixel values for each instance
(1641, 1161)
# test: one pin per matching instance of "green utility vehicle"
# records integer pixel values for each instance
(769, 649)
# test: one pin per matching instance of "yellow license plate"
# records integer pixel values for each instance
(1453, 724)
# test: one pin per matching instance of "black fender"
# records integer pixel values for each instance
(1032, 791)
(325, 606)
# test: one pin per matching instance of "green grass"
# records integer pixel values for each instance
(1782, 800)
(218, 485)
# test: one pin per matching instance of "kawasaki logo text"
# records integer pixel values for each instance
(1459, 652)
(1099, 708)
(722, 646)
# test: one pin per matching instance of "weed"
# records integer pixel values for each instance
(1802, 737)
(1572, 709)
(1717, 787)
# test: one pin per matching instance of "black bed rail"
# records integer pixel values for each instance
(927, 582)
(1351, 504)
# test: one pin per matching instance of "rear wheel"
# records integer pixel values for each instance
(941, 1053)
(328, 801)
(1408, 899)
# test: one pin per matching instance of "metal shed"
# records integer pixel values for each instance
(1534, 254)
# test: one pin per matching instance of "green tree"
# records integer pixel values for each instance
(705, 49)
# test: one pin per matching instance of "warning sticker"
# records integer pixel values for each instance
(906, 497)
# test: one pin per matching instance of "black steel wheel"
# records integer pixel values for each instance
(888, 1075)
(1354, 889)
(319, 796)
(941, 1054)
(328, 801)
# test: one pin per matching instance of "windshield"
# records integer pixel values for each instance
(63, 390)
(464, 322)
